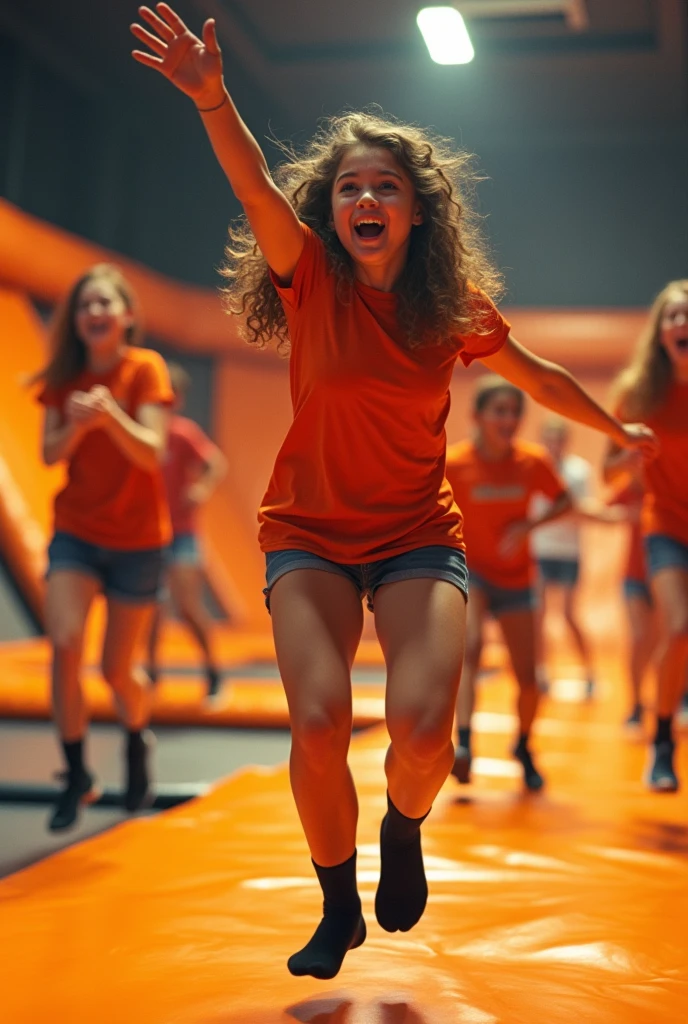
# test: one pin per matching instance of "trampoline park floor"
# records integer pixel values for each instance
(563, 906)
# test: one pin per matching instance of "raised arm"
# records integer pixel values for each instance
(555, 388)
(194, 66)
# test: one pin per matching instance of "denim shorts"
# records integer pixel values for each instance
(637, 588)
(564, 571)
(132, 576)
(502, 600)
(184, 550)
(665, 553)
(436, 562)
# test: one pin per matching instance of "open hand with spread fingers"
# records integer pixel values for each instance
(194, 65)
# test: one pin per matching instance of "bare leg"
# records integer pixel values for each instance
(69, 598)
(126, 628)
(518, 628)
(465, 702)
(154, 642)
(643, 637)
(317, 621)
(68, 601)
(670, 592)
(421, 626)
(579, 638)
(186, 587)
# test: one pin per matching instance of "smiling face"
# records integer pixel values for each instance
(102, 317)
(673, 330)
(498, 420)
(374, 209)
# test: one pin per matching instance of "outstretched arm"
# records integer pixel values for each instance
(555, 388)
(194, 66)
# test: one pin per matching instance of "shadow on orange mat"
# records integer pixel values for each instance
(568, 906)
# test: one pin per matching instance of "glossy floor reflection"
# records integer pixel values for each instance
(568, 906)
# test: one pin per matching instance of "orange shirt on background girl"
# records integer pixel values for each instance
(495, 494)
(665, 507)
(360, 475)
(109, 501)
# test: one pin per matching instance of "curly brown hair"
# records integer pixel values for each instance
(67, 350)
(642, 386)
(446, 251)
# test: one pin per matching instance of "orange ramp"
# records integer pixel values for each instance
(571, 905)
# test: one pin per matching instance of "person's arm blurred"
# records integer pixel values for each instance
(214, 470)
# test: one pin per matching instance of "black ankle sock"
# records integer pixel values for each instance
(663, 734)
(342, 927)
(134, 737)
(523, 741)
(403, 890)
(74, 756)
(465, 736)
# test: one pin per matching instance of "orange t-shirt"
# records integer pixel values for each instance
(360, 474)
(631, 495)
(108, 500)
(495, 494)
(665, 508)
(187, 454)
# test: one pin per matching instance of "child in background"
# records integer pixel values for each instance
(364, 263)
(557, 546)
(494, 477)
(637, 598)
(655, 386)
(192, 468)
(106, 404)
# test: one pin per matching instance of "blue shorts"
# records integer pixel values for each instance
(435, 562)
(637, 588)
(665, 553)
(132, 576)
(184, 550)
(502, 600)
(564, 571)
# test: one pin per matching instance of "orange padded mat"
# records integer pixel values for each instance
(565, 907)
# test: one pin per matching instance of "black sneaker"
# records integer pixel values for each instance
(78, 789)
(462, 765)
(214, 683)
(138, 789)
(661, 776)
(634, 722)
(531, 776)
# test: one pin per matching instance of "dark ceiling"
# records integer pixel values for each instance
(300, 59)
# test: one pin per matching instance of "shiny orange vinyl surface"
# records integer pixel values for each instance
(563, 907)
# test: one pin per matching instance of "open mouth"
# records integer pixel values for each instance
(369, 227)
(682, 344)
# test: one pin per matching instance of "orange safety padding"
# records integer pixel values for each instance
(26, 484)
(564, 906)
(44, 261)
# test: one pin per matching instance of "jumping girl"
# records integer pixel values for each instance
(192, 468)
(360, 262)
(494, 478)
(655, 386)
(105, 417)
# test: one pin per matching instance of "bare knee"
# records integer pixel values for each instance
(677, 632)
(116, 674)
(66, 638)
(422, 739)
(322, 733)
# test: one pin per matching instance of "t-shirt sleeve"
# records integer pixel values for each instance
(198, 445)
(311, 270)
(493, 329)
(51, 398)
(153, 382)
(546, 480)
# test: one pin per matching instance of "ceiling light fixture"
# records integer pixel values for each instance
(445, 35)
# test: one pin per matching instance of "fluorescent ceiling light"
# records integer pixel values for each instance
(445, 35)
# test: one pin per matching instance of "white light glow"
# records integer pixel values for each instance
(445, 35)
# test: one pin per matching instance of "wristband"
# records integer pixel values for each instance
(208, 110)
